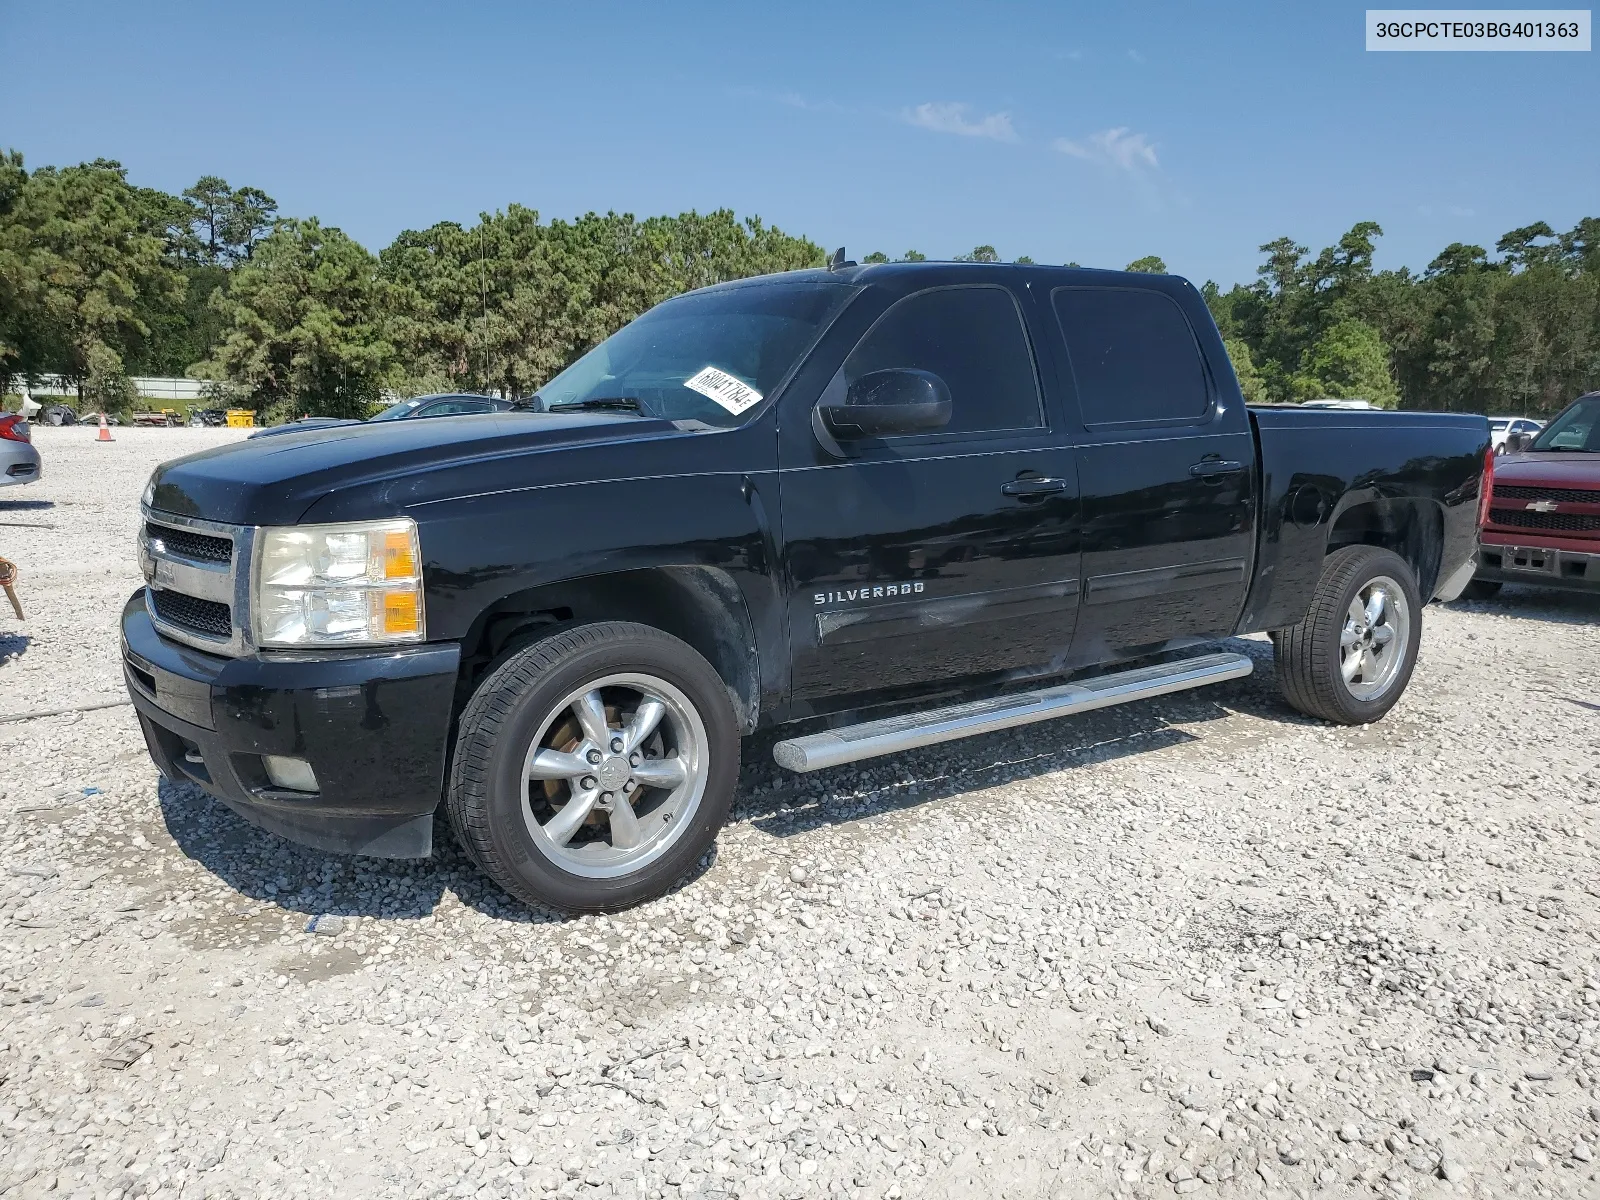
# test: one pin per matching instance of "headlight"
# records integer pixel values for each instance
(338, 585)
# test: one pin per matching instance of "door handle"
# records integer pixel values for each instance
(1209, 468)
(1033, 486)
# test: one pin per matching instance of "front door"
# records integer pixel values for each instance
(934, 557)
(1167, 467)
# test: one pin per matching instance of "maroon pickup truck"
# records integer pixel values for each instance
(1543, 523)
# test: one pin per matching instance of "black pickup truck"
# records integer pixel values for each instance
(900, 503)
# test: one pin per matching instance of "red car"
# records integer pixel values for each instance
(1543, 525)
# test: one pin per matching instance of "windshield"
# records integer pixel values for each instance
(1497, 426)
(707, 357)
(1576, 429)
(395, 411)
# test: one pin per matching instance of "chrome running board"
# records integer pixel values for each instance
(854, 742)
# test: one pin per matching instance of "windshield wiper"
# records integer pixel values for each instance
(599, 404)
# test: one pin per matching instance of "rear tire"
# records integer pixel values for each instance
(594, 767)
(1481, 589)
(1350, 658)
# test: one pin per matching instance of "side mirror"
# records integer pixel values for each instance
(1516, 443)
(897, 400)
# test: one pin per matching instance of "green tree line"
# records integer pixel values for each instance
(101, 280)
(1516, 331)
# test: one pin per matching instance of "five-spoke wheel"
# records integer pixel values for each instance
(1373, 642)
(614, 774)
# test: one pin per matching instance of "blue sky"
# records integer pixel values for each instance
(1087, 133)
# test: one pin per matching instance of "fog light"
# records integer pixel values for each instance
(291, 774)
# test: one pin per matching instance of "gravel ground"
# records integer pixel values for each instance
(1199, 945)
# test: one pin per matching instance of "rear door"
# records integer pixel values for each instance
(933, 558)
(1166, 463)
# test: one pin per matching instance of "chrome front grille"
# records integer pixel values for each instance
(205, 617)
(1505, 491)
(198, 574)
(187, 544)
(1513, 518)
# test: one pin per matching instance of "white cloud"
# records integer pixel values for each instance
(954, 118)
(1136, 56)
(1117, 147)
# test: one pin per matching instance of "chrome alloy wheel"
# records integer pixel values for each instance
(1372, 644)
(614, 775)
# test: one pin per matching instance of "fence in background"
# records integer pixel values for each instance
(149, 386)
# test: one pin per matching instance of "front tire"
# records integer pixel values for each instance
(594, 767)
(1350, 658)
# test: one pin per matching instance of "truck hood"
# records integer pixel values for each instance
(274, 480)
(1556, 469)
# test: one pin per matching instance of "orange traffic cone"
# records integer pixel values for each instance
(105, 430)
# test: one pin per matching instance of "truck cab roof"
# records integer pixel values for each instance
(932, 273)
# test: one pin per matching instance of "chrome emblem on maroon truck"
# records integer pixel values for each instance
(1542, 506)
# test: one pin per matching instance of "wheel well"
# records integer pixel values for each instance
(1413, 529)
(700, 605)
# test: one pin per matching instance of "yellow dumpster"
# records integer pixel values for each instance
(241, 418)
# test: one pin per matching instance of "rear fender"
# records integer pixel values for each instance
(1413, 527)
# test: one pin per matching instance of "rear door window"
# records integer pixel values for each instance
(1134, 357)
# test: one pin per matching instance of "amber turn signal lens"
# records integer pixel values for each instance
(402, 612)
(399, 555)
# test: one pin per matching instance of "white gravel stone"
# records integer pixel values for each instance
(1186, 942)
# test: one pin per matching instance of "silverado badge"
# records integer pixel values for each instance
(876, 591)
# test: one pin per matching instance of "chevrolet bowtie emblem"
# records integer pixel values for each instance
(1542, 506)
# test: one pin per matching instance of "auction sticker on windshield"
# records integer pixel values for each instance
(733, 394)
